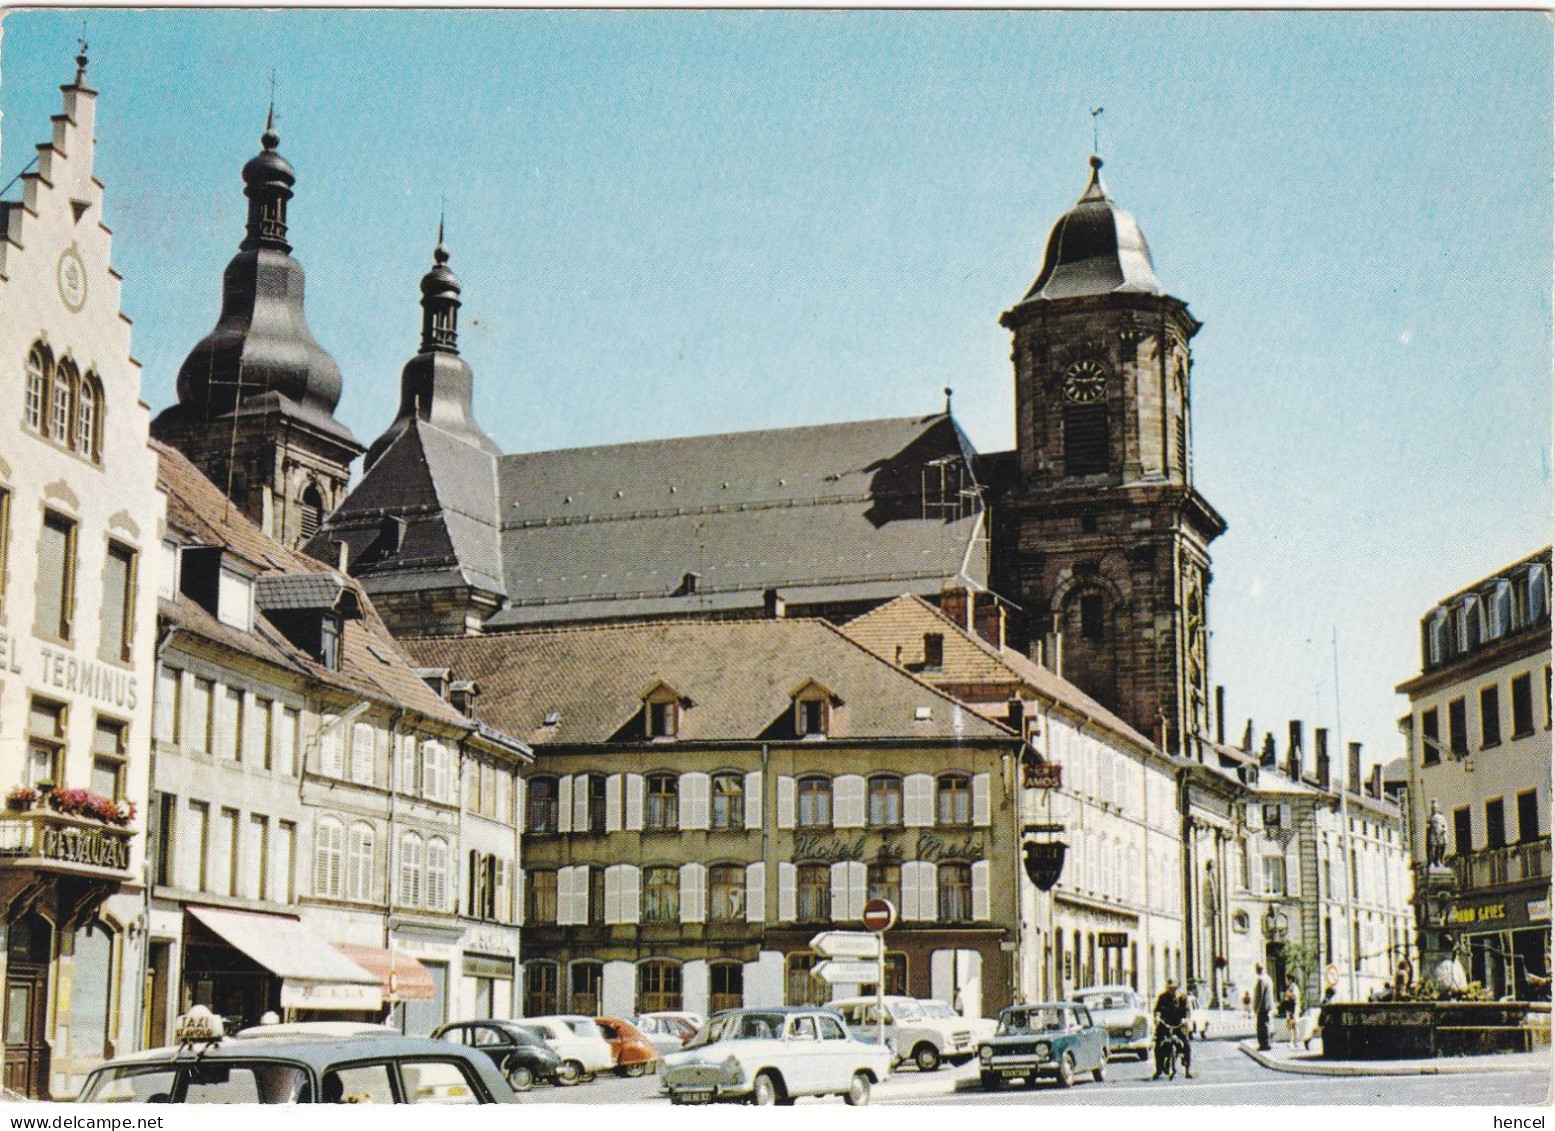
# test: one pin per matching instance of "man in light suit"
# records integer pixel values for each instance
(1263, 1005)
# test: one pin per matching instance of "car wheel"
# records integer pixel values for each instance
(1066, 1070)
(1100, 1073)
(992, 1081)
(926, 1057)
(634, 1069)
(520, 1077)
(568, 1073)
(766, 1092)
(857, 1094)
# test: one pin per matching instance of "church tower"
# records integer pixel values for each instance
(1101, 537)
(257, 396)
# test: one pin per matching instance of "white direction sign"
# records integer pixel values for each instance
(834, 971)
(847, 944)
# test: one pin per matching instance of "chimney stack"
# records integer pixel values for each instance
(954, 604)
(1293, 752)
(1220, 714)
(1247, 737)
(1374, 785)
(988, 616)
(773, 606)
(1353, 784)
(1324, 770)
(1268, 759)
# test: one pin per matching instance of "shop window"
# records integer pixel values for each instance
(117, 629)
(726, 893)
(726, 986)
(658, 986)
(663, 812)
(56, 587)
(1528, 815)
(953, 799)
(661, 895)
(541, 984)
(728, 799)
(542, 806)
(814, 803)
(540, 896)
(1522, 705)
(814, 893)
(955, 893)
(885, 801)
(45, 743)
(1490, 716)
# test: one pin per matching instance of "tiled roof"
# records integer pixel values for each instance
(317, 590)
(738, 676)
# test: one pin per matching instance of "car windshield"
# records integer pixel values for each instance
(906, 1011)
(747, 1027)
(1032, 1021)
(938, 1009)
(584, 1027)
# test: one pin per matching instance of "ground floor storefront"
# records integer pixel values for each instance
(1505, 942)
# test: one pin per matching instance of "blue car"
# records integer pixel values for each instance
(1053, 1040)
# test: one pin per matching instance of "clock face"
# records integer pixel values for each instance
(1085, 383)
(71, 279)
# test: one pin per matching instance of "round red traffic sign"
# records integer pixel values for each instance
(879, 914)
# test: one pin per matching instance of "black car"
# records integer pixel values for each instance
(519, 1053)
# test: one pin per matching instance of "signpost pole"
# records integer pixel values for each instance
(880, 992)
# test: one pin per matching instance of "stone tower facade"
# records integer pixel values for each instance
(256, 397)
(1101, 538)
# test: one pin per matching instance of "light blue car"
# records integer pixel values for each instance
(1054, 1040)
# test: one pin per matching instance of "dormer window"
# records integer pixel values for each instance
(329, 642)
(813, 710)
(661, 713)
(812, 717)
(933, 651)
(310, 610)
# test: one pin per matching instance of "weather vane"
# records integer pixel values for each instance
(1096, 114)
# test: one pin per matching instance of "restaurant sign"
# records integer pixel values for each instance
(95, 847)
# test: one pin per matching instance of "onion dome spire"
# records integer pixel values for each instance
(440, 302)
(1096, 248)
(267, 181)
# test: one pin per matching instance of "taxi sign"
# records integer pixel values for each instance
(199, 1026)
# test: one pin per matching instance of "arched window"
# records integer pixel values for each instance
(726, 986)
(953, 800)
(312, 514)
(728, 801)
(328, 850)
(359, 862)
(62, 398)
(588, 979)
(89, 418)
(37, 384)
(658, 986)
(437, 874)
(814, 803)
(885, 801)
(411, 863)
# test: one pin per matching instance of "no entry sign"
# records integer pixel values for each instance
(879, 915)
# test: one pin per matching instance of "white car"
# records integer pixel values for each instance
(927, 1038)
(669, 1032)
(982, 1027)
(774, 1056)
(576, 1039)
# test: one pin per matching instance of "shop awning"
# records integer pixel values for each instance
(402, 978)
(314, 975)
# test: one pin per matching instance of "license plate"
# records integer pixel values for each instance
(1010, 1072)
(694, 1095)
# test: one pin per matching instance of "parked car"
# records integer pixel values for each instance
(921, 1037)
(576, 1039)
(208, 1068)
(669, 1032)
(982, 1027)
(519, 1053)
(316, 1029)
(774, 1056)
(1124, 1014)
(634, 1053)
(1052, 1040)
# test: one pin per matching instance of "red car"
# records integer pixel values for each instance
(634, 1053)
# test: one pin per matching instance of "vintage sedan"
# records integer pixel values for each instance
(633, 1051)
(669, 1032)
(1055, 1040)
(927, 1039)
(1124, 1014)
(577, 1040)
(519, 1054)
(774, 1056)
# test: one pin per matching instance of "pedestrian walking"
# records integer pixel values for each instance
(1290, 1007)
(1263, 1004)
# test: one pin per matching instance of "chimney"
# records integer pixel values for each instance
(1354, 782)
(1374, 785)
(688, 584)
(1220, 714)
(1247, 737)
(343, 556)
(1324, 770)
(773, 607)
(1267, 759)
(1293, 752)
(988, 616)
(954, 604)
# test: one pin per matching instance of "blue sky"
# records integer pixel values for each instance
(679, 222)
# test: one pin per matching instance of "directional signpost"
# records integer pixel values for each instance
(846, 944)
(835, 970)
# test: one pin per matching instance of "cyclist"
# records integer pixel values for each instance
(1171, 1017)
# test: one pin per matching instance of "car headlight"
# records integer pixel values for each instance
(985, 1053)
(1043, 1049)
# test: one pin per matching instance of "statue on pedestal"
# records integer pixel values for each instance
(1436, 837)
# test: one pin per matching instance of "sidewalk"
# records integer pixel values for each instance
(1283, 1058)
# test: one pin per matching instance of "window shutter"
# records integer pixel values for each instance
(693, 881)
(613, 893)
(839, 891)
(580, 803)
(755, 893)
(564, 804)
(631, 885)
(928, 890)
(788, 892)
(753, 800)
(1293, 868)
(520, 801)
(848, 801)
(613, 803)
(980, 894)
(858, 888)
(918, 801)
(909, 907)
(981, 801)
(579, 911)
(563, 897)
(329, 748)
(634, 802)
(785, 803)
(694, 793)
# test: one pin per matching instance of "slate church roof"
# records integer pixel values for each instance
(827, 514)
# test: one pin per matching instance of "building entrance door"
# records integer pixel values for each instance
(26, 1007)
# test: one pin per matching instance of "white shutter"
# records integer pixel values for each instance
(520, 798)
(928, 890)
(631, 888)
(563, 804)
(580, 803)
(755, 893)
(848, 801)
(634, 802)
(329, 748)
(753, 800)
(564, 897)
(839, 892)
(909, 907)
(694, 793)
(613, 803)
(693, 892)
(858, 889)
(613, 893)
(981, 802)
(918, 801)
(788, 892)
(1293, 869)
(786, 798)
(980, 899)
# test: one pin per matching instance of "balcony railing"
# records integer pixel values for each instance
(1509, 865)
(53, 841)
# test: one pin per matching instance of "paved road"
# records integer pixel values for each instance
(1223, 1075)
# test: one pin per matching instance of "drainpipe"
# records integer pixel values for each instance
(163, 641)
(396, 755)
